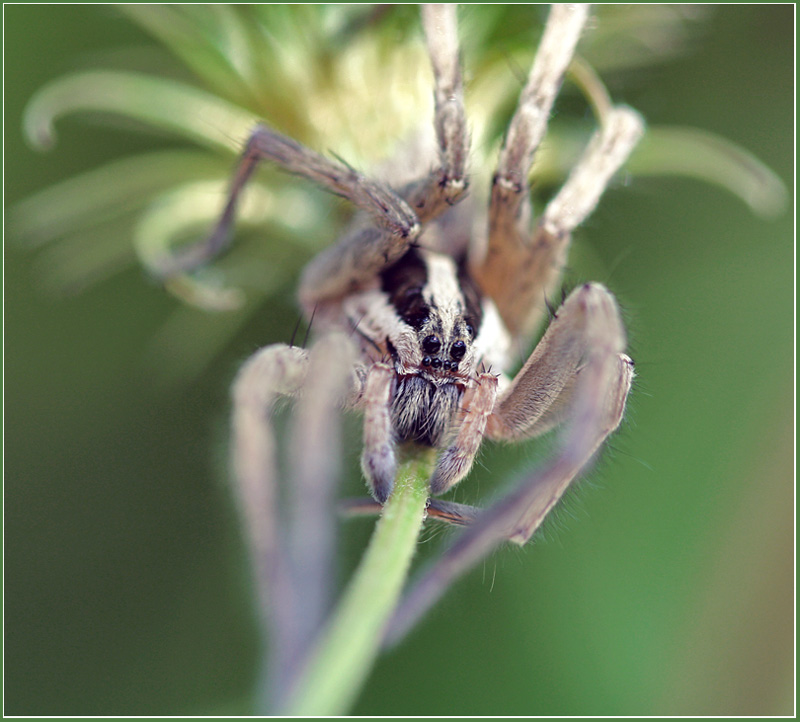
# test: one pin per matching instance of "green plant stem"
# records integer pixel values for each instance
(348, 647)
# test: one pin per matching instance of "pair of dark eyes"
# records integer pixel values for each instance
(431, 344)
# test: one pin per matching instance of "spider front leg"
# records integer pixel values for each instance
(540, 395)
(599, 390)
(519, 266)
(290, 530)
(543, 393)
(394, 226)
(275, 371)
(272, 371)
(446, 184)
(578, 373)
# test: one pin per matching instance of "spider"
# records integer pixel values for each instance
(427, 298)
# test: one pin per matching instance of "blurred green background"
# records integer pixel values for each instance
(665, 586)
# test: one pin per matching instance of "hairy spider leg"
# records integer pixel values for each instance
(510, 263)
(447, 183)
(292, 543)
(270, 372)
(378, 459)
(366, 251)
(598, 406)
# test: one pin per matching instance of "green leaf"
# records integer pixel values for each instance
(196, 36)
(169, 105)
(86, 257)
(699, 154)
(674, 151)
(106, 193)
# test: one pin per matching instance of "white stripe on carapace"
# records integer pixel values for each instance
(443, 291)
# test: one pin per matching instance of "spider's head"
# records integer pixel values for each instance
(437, 313)
(427, 314)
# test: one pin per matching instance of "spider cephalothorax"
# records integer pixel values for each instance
(431, 313)
(426, 318)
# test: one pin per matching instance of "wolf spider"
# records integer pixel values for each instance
(426, 304)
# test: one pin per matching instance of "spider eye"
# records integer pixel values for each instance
(457, 350)
(470, 329)
(431, 344)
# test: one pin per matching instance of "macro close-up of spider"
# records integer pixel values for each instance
(320, 360)
(436, 298)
